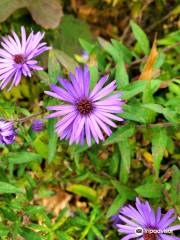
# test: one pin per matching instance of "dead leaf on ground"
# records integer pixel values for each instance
(56, 202)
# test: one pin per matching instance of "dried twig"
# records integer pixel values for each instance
(22, 120)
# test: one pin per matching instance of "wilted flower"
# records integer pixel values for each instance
(7, 133)
(143, 224)
(17, 57)
(37, 125)
(85, 113)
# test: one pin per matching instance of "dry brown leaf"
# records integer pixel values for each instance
(147, 72)
(56, 202)
(46, 13)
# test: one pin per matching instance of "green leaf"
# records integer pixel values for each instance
(116, 205)
(66, 61)
(174, 192)
(135, 111)
(70, 31)
(40, 147)
(94, 76)
(121, 134)
(29, 234)
(64, 236)
(43, 76)
(169, 114)
(125, 150)
(148, 98)
(137, 87)
(121, 76)
(159, 143)
(127, 54)
(88, 47)
(109, 48)
(149, 190)
(83, 191)
(97, 233)
(8, 188)
(23, 157)
(141, 37)
(4, 230)
(124, 190)
(53, 67)
(114, 162)
(52, 140)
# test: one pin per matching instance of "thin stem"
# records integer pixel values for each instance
(29, 117)
(165, 125)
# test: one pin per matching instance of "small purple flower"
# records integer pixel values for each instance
(143, 224)
(85, 113)
(85, 56)
(7, 133)
(37, 125)
(17, 57)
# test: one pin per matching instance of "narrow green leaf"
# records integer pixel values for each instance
(109, 48)
(52, 140)
(66, 61)
(29, 234)
(168, 113)
(40, 147)
(116, 205)
(88, 47)
(141, 37)
(159, 143)
(127, 54)
(23, 157)
(94, 76)
(137, 87)
(97, 233)
(53, 66)
(123, 189)
(121, 134)
(4, 230)
(8, 188)
(114, 162)
(174, 191)
(43, 76)
(125, 150)
(149, 190)
(83, 191)
(121, 76)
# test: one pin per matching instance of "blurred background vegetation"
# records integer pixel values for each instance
(50, 190)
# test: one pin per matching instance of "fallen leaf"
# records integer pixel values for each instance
(46, 13)
(7, 7)
(147, 72)
(56, 202)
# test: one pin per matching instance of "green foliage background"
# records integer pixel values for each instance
(50, 190)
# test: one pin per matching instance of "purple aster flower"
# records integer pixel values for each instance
(37, 125)
(7, 133)
(17, 57)
(85, 113)
(144, 224)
